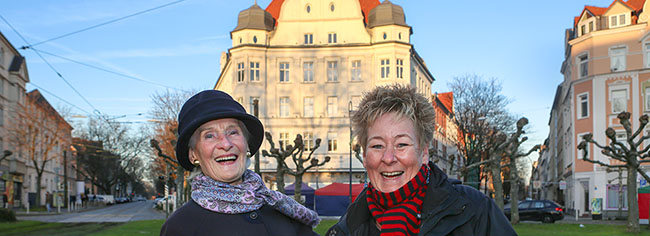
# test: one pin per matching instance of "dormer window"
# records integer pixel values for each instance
(618, 20)
(331, 38)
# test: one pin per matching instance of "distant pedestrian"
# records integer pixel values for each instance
(5, 201)
(48, 200)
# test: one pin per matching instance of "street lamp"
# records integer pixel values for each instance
(350, 145)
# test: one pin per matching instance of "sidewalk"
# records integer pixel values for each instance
(569, 219)
(23, 212)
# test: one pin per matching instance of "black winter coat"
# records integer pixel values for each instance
(192, 219)
(450, 208)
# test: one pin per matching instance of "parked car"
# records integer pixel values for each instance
(121, 199)
(538, 210)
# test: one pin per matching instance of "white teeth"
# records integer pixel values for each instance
(391, 174)
(228, 158)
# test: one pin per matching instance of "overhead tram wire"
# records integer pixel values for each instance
(102, 24)
(61, 99)
(108, 71)
(50, 65)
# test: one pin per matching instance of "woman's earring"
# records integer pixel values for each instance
(248, 154)
(196, 162)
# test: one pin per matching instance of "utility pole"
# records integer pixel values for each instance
(256, 105)
(66, 198)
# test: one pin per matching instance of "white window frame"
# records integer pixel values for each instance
(332, 71)
(615, 20)
(241, 72)
(399, 68)
(617, 56)
(646, 98)
(254, 71)
(308, 107)
(579, 101)
(284, 72)
(283, 139)
(615, 88)
(332, 106)
(582, 61)
(308, 141)
(252, 105)
(355, 70)
(284, 107)
(308, 72)
(356, 99)
(308, 39)
(646, 53)
(331, 38)
(385, 68)
(332, 142)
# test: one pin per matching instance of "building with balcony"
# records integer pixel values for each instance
(307, 64)
(606, 71)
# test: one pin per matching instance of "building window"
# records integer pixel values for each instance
(619, 100)
(308, 72)
(647, 98)
(309, 39)
(583, 30)
(613, 196)
(617, 20)
(617, 59)
(2, 57)
(332, 106)
(254, 39)
(331, 38)
(283, 140)
(252, 104)
(583, 109)
(284, 72)
(332, 71)
(647, 54)
(355, 71)
(240, 72)
(591, 26)
(2, 116)
(332, 143)
(356, 99)
(583, 61)
(308, 106)
(284, 106)
(385, 68)
(308, 9)
(255, 71)
(400, 68)
(240, 100)
(308, 141)
(332, 7)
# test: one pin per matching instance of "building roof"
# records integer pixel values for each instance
(366, 5)
(386, 13)
(38, 99)
(255, 18)
(635, 5)
(447, 100)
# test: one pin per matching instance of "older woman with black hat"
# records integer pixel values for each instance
(407, 194)
(217, 138)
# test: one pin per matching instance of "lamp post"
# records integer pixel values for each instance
(350, 145)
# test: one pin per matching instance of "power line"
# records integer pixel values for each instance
(63, 100)
(101, 24)
(106, 70)
(50, 65)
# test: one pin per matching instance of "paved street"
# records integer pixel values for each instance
(125, 212)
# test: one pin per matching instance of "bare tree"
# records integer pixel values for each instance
(480, 111)
(39, 131)
(296, 152)
(629, 154)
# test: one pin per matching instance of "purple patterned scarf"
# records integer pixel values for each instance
(248, 196)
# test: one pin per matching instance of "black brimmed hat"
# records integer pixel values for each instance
(210, 105)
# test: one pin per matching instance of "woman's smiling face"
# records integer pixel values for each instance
(221, 150)
(392, 155)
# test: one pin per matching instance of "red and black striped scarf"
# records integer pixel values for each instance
(397, 212)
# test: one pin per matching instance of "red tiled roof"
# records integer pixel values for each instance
(447, 99)
(636, 5)
(366, 5)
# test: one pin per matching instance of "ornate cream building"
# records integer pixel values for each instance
(306, 61)
(606, 71)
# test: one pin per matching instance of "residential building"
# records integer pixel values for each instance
(444, 146)
(13, 77)
(308, 63)
(606, 71)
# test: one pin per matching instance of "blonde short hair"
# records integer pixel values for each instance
(399, 99)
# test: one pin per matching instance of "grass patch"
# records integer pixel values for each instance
(324, 225)
(558, 229)
(145, 227)
(40, 228)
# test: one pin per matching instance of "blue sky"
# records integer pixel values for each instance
(179, 46)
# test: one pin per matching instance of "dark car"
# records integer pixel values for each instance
(538, 210)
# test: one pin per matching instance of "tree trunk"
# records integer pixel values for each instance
(180, 178)
(498, 185)
(633, 205)
(297, 188)
(514, 194)
(279, 177)
(39, 175)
